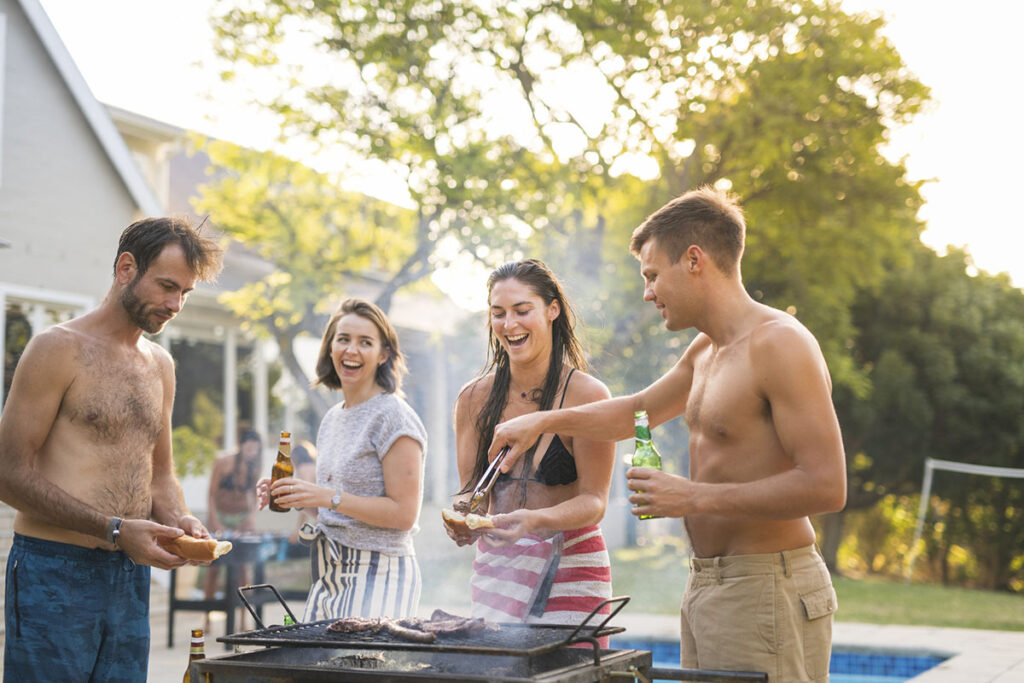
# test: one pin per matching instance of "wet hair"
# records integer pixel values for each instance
(565, 349)
(145, 241)
(389, 373)
(706, 217)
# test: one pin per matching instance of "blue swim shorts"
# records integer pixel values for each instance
(74, 614)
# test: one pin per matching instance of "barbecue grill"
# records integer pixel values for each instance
(513, 653)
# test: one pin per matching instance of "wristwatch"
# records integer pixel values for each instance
(114, 529)
(336, 500)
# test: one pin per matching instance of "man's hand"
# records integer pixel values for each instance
(193, 527)
(659, 493)
(518, 434)
(139, 538)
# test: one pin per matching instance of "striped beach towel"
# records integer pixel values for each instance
(558, 580)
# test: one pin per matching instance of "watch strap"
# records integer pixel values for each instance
(114, 529)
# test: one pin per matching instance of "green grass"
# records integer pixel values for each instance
(655, 577)
(878, 601)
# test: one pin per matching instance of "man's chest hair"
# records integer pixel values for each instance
(116, 398)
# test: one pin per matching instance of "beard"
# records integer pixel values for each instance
(139, 312)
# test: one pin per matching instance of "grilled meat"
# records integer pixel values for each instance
(356, 624)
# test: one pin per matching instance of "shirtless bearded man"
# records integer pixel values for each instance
(85, 458)
(765, 449)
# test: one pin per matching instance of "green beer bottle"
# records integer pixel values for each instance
(645, 454)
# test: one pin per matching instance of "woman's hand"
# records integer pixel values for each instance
(511, 526)
(461, 534)
(292, 492)
(262, 493)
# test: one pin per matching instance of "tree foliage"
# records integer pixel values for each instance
(315, 237)
(497, 116)
(944, 351)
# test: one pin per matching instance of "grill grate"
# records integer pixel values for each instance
(520, 639)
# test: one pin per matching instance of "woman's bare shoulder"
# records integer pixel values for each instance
(585, 388)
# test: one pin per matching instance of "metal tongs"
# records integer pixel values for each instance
(483, 487)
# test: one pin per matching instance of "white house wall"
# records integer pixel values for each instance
(62, 203)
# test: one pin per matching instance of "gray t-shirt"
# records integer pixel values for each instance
(350, 446)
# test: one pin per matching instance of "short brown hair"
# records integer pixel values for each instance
(389, 373)
(706, 217)
(145, 241)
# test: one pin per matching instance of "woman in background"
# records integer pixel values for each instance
(369, 475)
(546, 562)
(231, 501)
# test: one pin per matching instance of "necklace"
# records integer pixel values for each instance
(531, 395)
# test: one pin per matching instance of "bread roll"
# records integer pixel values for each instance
(467, 522)
(196, 549)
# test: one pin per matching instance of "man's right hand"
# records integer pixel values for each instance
(139, 539)
(518, 434)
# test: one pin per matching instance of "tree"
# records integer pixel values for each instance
(552, 128)
(478, 109)
(313, 235)
(944, 351)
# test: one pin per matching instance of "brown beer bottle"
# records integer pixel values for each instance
(197, 650)
(282, 468)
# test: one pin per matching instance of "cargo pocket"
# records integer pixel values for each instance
(819, 605)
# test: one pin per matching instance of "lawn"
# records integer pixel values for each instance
(655, 577)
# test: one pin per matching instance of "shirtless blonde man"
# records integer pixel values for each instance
(85, 458)
(765, 449)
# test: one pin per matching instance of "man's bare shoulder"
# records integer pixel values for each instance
(58, 347)
(161, 356)
(782, 348)
(781, 332)
(699, 343)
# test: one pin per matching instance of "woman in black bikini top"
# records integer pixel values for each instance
(535, 363)
(547, 508)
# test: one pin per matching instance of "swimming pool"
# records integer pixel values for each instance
(846, 666)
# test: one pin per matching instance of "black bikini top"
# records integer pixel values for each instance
(557, 467)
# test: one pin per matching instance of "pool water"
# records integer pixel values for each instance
(844, 667)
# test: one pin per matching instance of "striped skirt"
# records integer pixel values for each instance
(557, 580)
(348, 582)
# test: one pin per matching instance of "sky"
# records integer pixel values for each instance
(153, 57)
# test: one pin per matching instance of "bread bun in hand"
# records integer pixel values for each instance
(467, 522)
(196, 549)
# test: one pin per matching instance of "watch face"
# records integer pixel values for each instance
(336, 500)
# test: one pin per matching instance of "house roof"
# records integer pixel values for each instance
(95, 114)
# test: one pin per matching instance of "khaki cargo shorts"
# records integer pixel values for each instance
(768, 613)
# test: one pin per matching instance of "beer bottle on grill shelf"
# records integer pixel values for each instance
(197, 650)
(644, 454)
(282, 467)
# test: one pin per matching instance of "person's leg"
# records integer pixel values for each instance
(54, 610)
(807, 602)
(687, 641)
(124, 651)
(730, 607)
(211, 575)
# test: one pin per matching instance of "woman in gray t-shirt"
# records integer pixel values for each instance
(369, 475)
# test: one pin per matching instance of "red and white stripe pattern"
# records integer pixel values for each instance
(506, 580)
